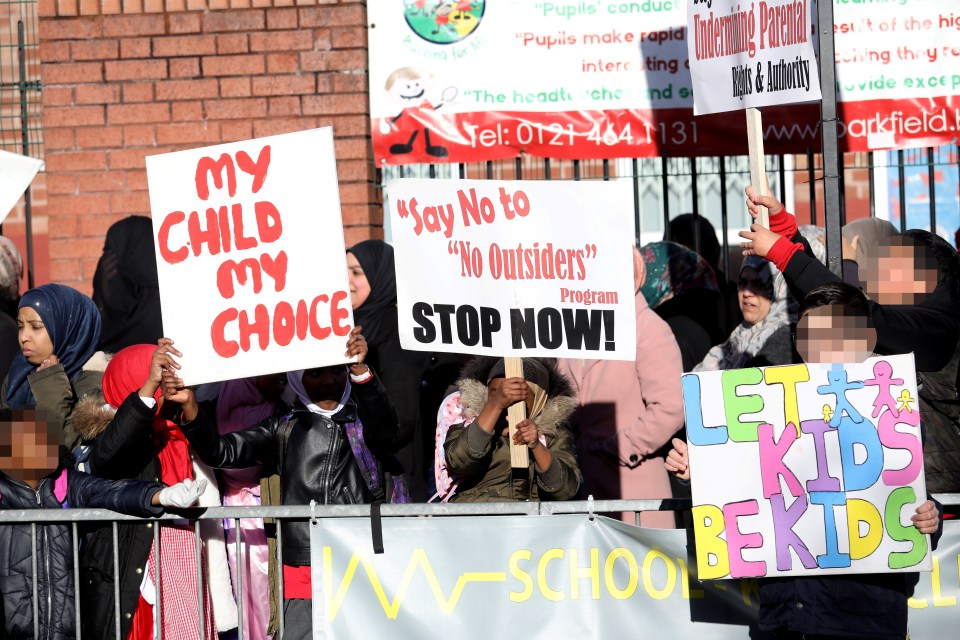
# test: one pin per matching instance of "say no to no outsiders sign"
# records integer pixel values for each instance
(515, 268)
(806, 469)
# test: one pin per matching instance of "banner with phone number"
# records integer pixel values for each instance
(473, 81)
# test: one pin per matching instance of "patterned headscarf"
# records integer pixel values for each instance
(812, 234)
(73, 323)
(671, 270)
(11, 269)
(747, 340)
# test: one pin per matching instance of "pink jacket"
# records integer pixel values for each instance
(628, 411)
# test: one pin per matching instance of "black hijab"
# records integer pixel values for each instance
(376, 260)
(125, 286)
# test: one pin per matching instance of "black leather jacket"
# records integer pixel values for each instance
(316, 461)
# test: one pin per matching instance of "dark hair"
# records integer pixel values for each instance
(846, 296)
(684, 227)
(939, 252)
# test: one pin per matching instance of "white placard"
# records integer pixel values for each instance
(753, 54)
(515, 268)
(250, 255)
(16, 174)
(806, 469)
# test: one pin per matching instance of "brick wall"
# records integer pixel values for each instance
(123, 80)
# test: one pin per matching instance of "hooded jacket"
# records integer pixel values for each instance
(61, 489)
(482, 460)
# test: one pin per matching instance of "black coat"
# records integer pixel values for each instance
(54, 548)
(120, 446)
(310, 451)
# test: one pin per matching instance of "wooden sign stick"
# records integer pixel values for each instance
(517, 413)
(758, 169)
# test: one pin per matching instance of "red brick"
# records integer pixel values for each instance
(185, 68)
(354, 234)
(218, 4)
(153, 6)
(235, 87)
(335, 104)
(356, 125)
(56, 139)
(239, 108)
(89, 7)
(139, 135)
(57, 96)
(47, 8)
(128, 26)
(99, 137)
(233, 65)
(175, 5)
(136, 180)
(76, 161)
(76, 29)
(324, 83)
(351, 148)
(138, 92)
(111, 7)
(96, 225)
(236, 130)
(64, 271)
(54, 51)
(179, 46)
(354, 171)
(284, 85)
(356, 214)
(98, 93)
(75, 247)
(129, 158)
(284, 107)
(183, 22)
(138, 113)
(136, 70)
(349, 83)
(187, 111)
(62, 183)
(188, 133)
(187, 89)
(276, 126)
(322, 39)
(68, 7)
(232, 43)
(337, 16)
(132, 7)
(357, 194)
(283, 63)
(131, 203)
(281, 19)
(100, 181)
(82, 204)
(72, 116)
(217, 21)
(281, 41)
(135, 48)
(66, 226)
(349, 38)
(94, 50)
(72, 73)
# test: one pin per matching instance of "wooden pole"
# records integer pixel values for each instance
(517, 413)
(758, 168)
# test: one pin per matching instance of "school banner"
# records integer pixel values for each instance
(250, 255)
(829, 469)
(486, 80)
(567, 576)
(515, 268)
(754, 55)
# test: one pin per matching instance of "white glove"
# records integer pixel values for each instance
(183, 494)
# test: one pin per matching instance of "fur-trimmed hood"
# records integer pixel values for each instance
(561, 400)
(91, 416)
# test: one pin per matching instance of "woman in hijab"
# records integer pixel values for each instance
(125, 286)
(860, 240)
(373, 292)
(58, 363)
(681, 288)
(11, 272)
(763, 338)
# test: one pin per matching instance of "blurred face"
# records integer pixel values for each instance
(28, 452)
(272, 386)
(359, 286)
(826, 336)
(325, 384)
(35, 342)
(899, 275)
(754, 300)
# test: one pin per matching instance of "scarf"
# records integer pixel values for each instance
(241, 405)
(73, 324)
(376, 259)
(872, 231)
(672, 270)
(295, 380)
(125, 374)
(746, 340)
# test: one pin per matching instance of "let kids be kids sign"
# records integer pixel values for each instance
(250, 256)
(806, 469)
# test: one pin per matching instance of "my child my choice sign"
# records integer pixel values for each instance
(806, 469)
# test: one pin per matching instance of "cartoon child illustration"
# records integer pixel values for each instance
(419, 8)
(442, 17)
(408, 87)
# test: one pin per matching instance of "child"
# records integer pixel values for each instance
(835, 326)
(37, 474)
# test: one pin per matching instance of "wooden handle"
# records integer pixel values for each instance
(517, 413)
(758, 168)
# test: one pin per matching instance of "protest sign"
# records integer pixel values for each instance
(829, 469)
(250, 255)
(515, 268)
(16, 174)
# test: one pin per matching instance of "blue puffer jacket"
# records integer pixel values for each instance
(55, 588)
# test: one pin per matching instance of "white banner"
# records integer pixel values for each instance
(751, 55)
(16, 174)
(250, 255)
(515, 268)
(829, 469)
